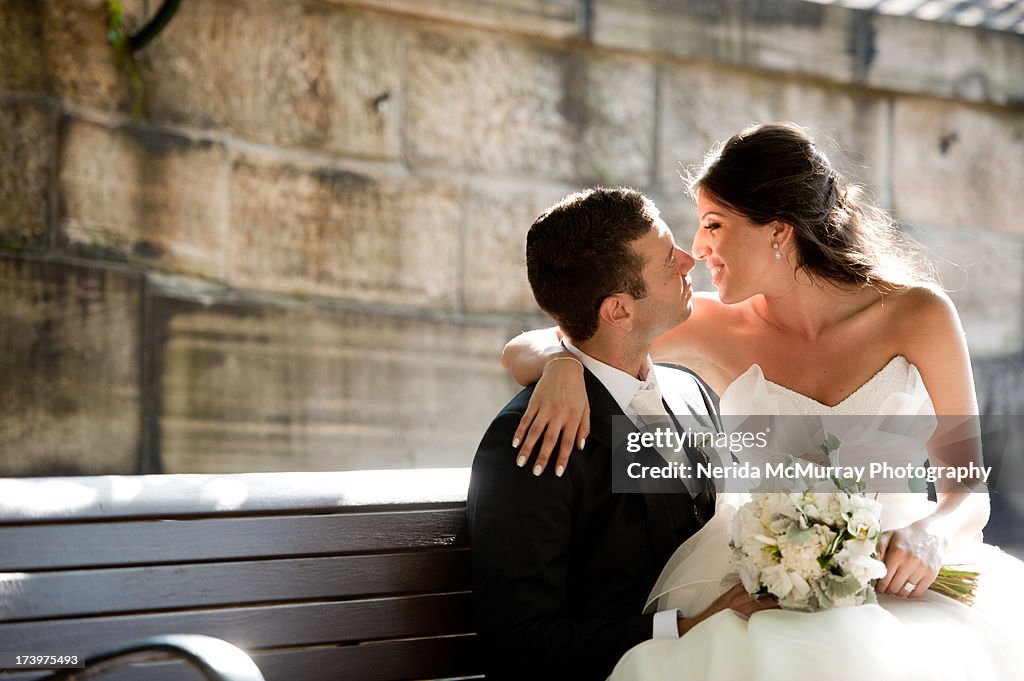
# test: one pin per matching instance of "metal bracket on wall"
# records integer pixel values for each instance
(152, 29)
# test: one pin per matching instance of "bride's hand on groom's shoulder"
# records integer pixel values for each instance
(912, 557)
(558, 415)
(736, 599)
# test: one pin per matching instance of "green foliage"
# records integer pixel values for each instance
(117, 36)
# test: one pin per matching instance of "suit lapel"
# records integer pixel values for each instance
(660, 524)
(685, 398)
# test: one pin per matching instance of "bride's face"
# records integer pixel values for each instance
(738, 252)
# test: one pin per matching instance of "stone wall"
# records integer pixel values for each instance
(307, 254)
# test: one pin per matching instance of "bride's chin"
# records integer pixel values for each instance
(728, 298)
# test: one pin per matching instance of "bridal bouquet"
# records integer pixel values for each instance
(816, 550)
(810, 550)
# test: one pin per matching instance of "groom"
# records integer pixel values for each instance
(562, 565)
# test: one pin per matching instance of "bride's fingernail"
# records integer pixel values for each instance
(583, 442)
(559, 471)
(521, 461)
(537, 470)
(515, 443)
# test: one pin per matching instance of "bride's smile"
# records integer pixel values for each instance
(740, 254)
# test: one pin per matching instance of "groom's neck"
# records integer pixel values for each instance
(615, 352)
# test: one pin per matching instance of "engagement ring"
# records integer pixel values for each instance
(909, 587)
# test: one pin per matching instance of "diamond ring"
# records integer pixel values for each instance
(909, 587)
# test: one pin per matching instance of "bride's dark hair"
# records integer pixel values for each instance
(775, 172)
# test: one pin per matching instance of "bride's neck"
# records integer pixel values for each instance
(811, 309)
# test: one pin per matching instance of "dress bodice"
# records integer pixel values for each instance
(888, 419)
(897, 389)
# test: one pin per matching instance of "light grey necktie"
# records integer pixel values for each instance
(651, 416)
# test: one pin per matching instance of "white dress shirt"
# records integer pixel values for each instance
(623, 388)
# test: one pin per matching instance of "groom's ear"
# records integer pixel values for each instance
(617, 311)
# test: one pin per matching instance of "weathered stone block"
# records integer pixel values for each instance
(287, 73)
(261, 388)
(22, 52)
(498, 216)
(957, 166)
(83, 66)
(702, 106)
(822, 41)
(144, 194)
(28, 134)
(984, 275)
(69, 358)
(343, 233)
(792, 36)
(550, 18)
(509, 108)
(959, 62)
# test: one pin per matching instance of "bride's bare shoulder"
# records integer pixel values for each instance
(921, 299)
(924, 308)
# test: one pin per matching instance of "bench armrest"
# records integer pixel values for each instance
(217, 660)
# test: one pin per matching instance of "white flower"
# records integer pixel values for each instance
(851, 503)
(824, 507)
(777, 581)
(751, 577)
(801, 550)
(864, 523)
(785, 505)
(745, 527)
(857, 559)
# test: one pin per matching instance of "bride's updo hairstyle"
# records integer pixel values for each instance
(775, 172)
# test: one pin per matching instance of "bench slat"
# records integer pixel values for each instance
(80, 592)
(392, 661)
(71, 545)
(261, 627)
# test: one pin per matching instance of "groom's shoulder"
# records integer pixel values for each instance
(505, 422)
(518, 404)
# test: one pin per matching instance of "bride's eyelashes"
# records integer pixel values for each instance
(712, 226)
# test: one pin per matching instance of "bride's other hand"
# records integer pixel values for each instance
(912, 557)
(558, 415)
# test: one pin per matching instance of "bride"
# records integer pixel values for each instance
(823, 309)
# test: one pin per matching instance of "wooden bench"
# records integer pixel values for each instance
(357, 575)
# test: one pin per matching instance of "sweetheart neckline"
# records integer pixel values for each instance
(838, 404)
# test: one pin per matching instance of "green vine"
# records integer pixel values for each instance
(118, 37)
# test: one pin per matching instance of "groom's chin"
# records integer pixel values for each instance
(686, 312)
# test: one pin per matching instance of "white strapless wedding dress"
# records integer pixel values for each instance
(929, 638)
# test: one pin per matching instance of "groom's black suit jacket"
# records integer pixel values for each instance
(562, 566)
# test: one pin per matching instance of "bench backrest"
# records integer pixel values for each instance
(362, 575)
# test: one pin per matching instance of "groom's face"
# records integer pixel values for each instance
(666, 269)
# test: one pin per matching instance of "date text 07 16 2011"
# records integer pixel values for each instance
(32, 660)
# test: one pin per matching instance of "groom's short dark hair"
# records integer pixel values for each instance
(578, 253)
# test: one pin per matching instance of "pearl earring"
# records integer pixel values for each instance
(778, 255)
